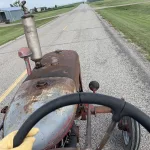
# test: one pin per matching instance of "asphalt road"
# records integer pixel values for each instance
(105, 56)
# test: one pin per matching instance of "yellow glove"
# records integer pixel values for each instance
(7, 142)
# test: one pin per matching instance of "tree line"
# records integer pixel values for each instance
(92, 0)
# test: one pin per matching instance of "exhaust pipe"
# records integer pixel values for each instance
(31, 35)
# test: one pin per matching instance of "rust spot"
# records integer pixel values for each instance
(28, 107)
(40, 89)
(67, 65)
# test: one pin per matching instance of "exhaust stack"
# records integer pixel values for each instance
(31, 34)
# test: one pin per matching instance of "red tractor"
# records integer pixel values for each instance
(52, 98)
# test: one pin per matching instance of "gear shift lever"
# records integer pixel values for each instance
(94, 86)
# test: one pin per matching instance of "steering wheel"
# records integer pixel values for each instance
(119, 107)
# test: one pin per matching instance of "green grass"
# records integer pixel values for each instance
(12, 32)
(52, 13)
(133, 21)
(114, 2)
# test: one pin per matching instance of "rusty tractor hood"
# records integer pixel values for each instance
(32, 95)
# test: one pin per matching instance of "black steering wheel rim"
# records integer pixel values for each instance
(119, 108)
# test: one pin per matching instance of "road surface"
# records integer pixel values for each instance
(105, 56)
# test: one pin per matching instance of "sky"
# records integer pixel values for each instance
(38, 3)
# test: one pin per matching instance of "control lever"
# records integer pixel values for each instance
(94, 86)
(25, 53)
(107, 135)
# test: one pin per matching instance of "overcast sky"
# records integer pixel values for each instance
(38, 3)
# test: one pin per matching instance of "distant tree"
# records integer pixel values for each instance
(93, 0)
(55, 6)
(16, 4)
(35, 9)
(11, 5)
